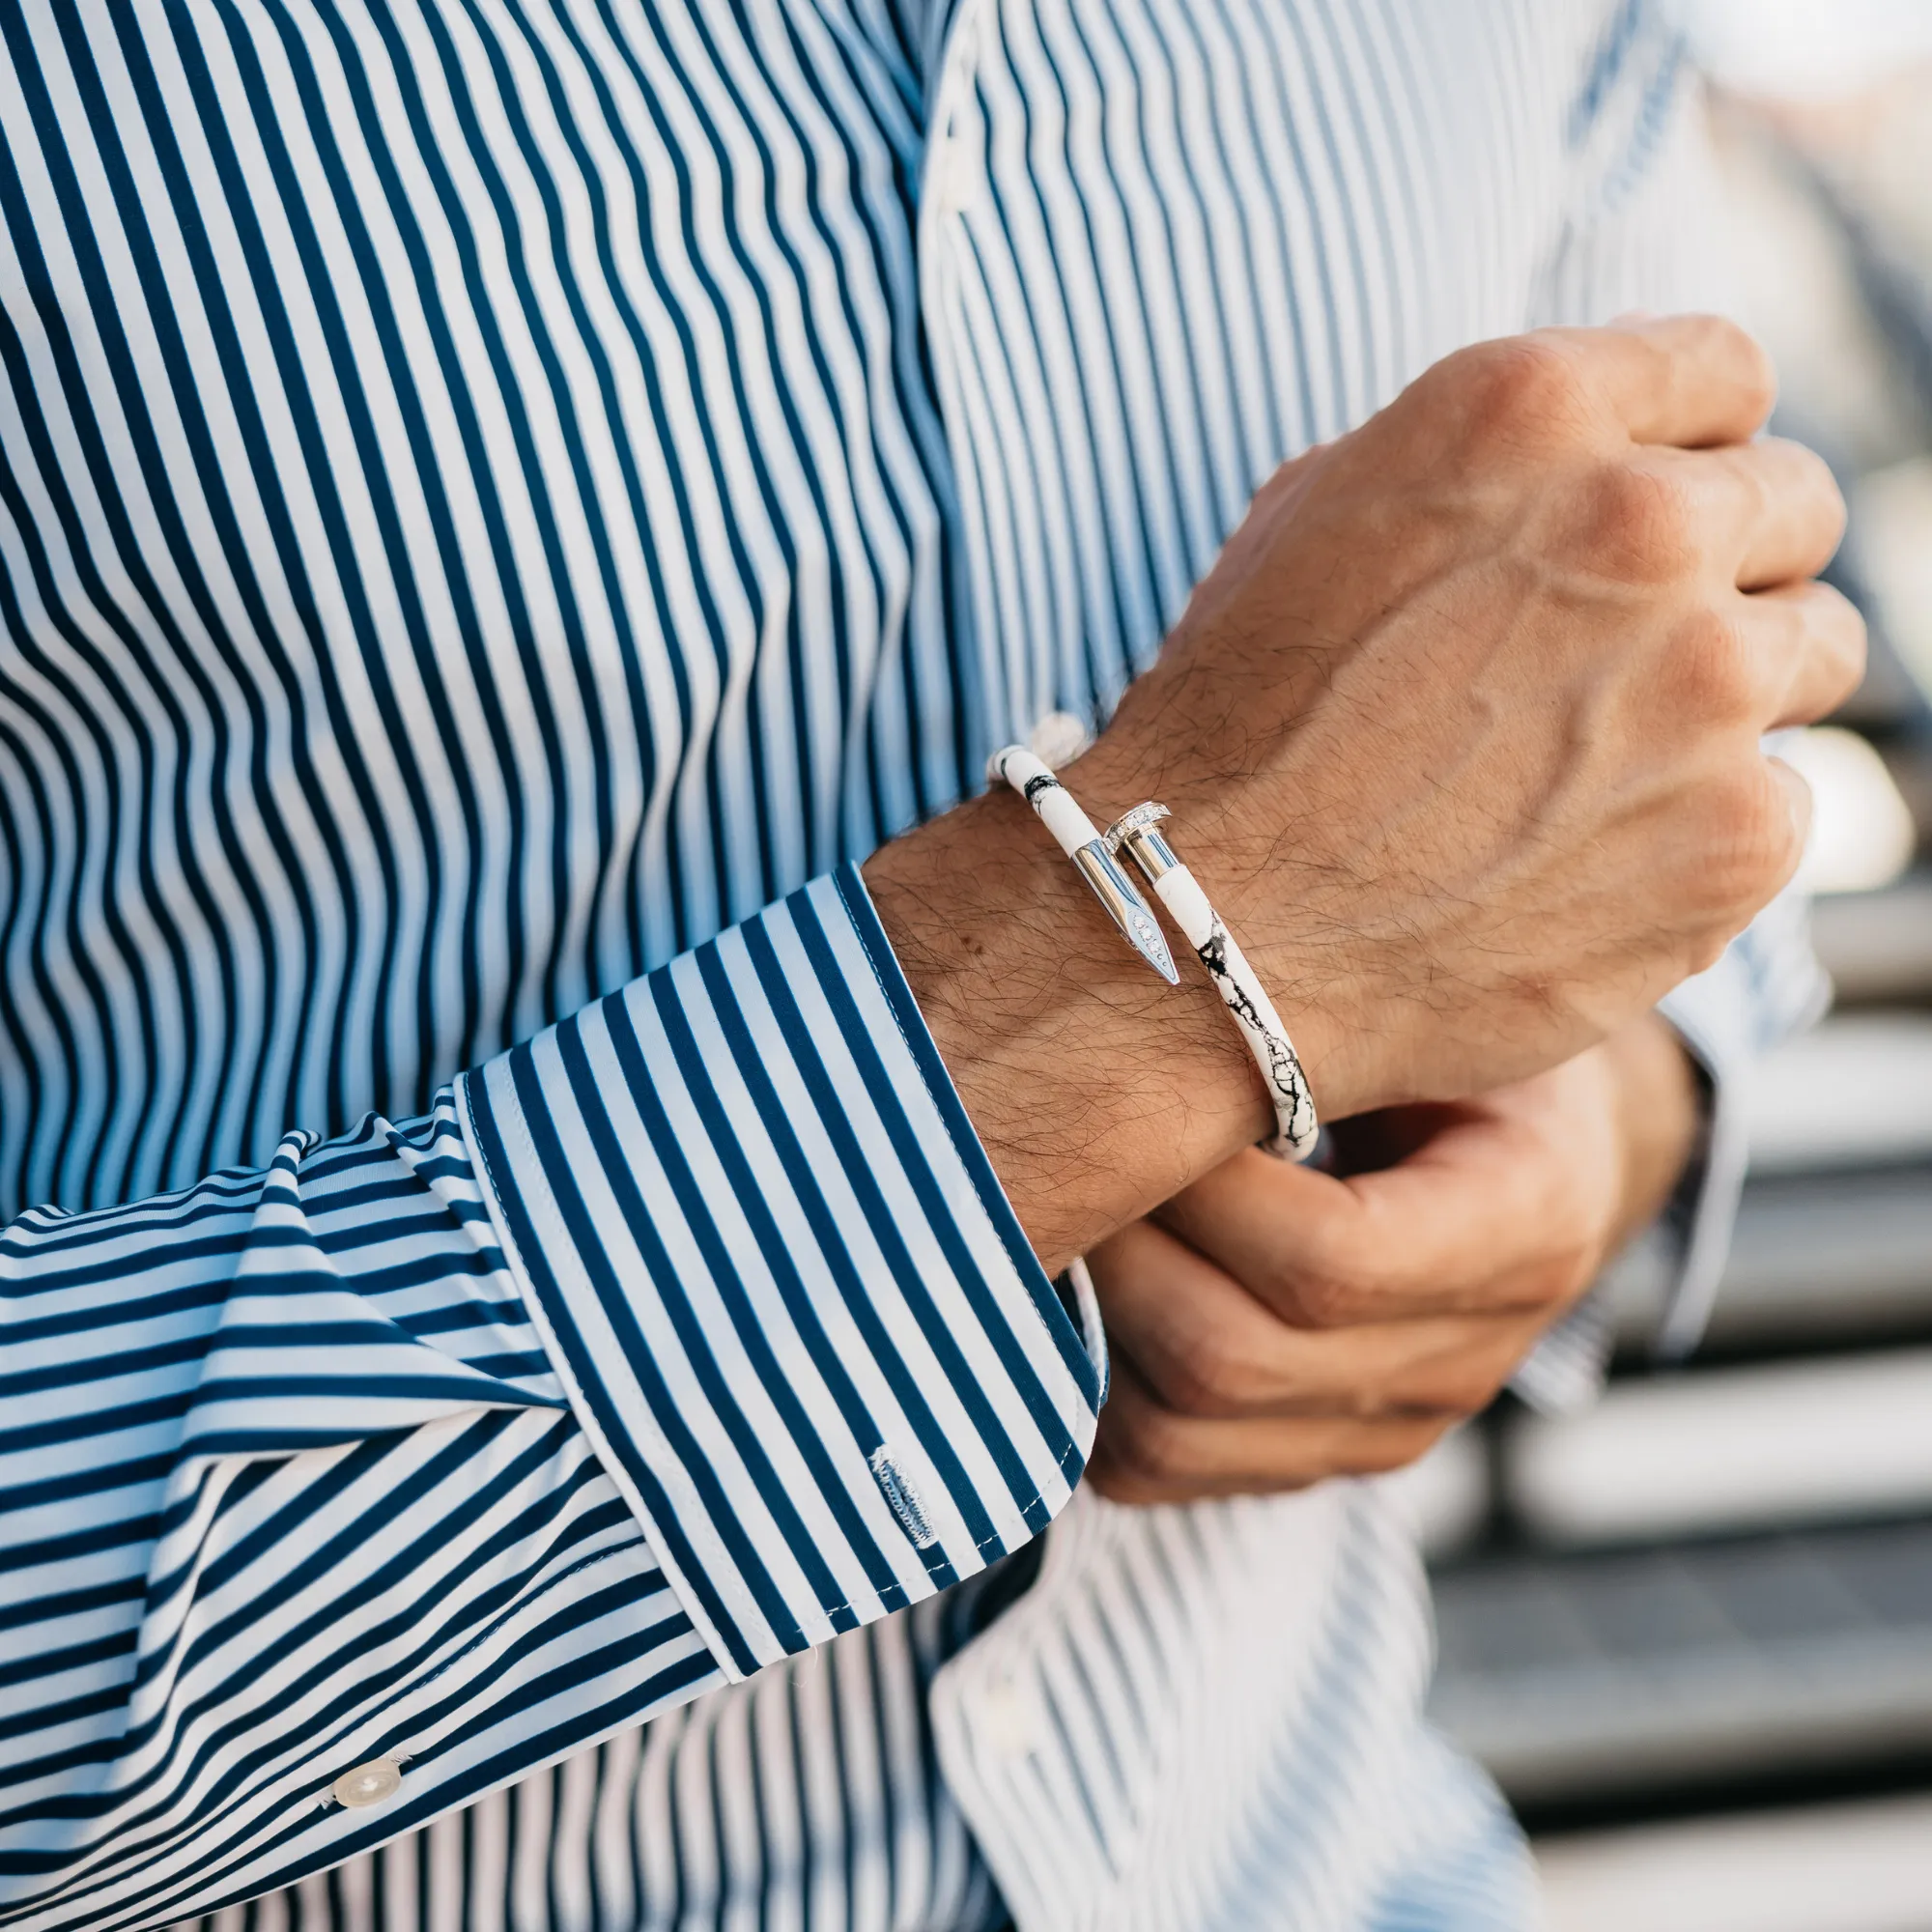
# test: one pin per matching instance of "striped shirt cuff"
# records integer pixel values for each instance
(777, 1274)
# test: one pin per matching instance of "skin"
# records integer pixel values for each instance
(1463, 733)
(1273, 1325)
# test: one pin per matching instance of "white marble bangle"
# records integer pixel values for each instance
(1180, 891)
(1077, 837)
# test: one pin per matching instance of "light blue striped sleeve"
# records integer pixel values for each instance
(680, 1338)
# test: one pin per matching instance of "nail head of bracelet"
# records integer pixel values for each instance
(1148, 813)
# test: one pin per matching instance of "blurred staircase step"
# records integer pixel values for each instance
(1714, 1451)
(1863, 1867)
(1583, 1678)
(1855, 1092)
(1878, 946)
(1823, 1258)
(1835, 1235)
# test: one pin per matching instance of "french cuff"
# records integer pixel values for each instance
(792, 1308)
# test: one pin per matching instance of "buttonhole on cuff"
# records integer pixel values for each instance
(902, 1498)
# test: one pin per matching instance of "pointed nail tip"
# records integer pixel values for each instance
(1161, 961)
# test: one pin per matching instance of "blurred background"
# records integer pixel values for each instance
(1691, 1631)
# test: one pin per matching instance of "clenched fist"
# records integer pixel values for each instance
(1464, 726)
(1462, 733)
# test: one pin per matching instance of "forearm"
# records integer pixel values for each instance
(1097, 1089)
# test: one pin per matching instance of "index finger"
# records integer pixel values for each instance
(1461, 1226)
(1694, 381)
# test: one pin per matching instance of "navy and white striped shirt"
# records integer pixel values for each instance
(502, 502)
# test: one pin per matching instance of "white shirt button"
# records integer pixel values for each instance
(1012, 1717)
(949, 175)
(369, 1784)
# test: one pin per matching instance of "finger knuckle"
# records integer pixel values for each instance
(1571, 1270)
(1526, 391)
(1210, 1375)
(1332, 1280)
(1839, 633)
(1324, 1296)
(1822, 482)
(1705, 949)
(1637, 526)
(1712, 346)
(1708, 672)
(1155, 1446)
(1725, 343)
(1529, 389)
(1744, 843)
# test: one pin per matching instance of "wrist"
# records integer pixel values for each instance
(1096, 1090)
(1269, 891)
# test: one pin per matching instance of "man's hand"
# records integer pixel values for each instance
(1273, 1326)
(1462, 733)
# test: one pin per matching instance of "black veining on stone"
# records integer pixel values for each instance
(1284, 1077)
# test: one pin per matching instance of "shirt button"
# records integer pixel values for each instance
(948, 174)
(369, 1784)
(1012, 1716)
